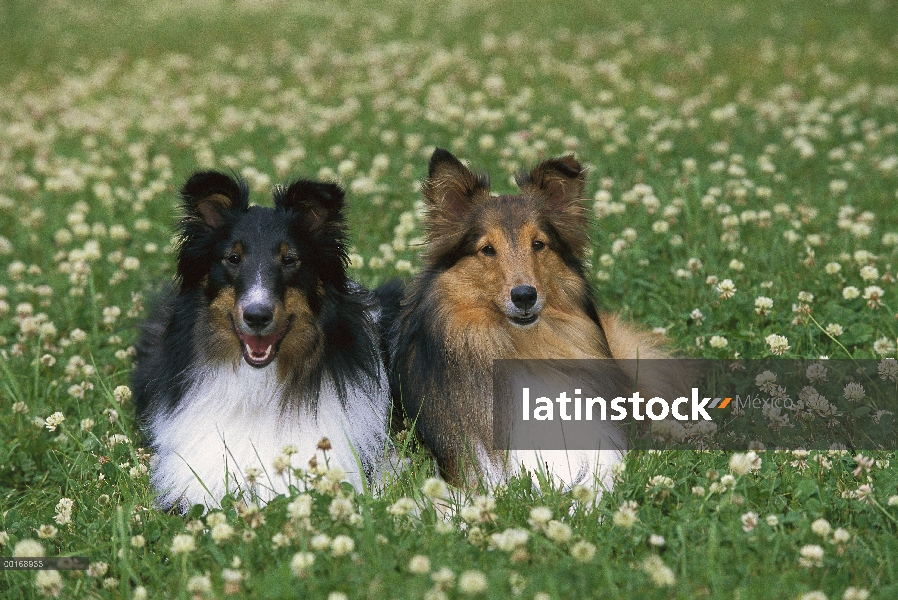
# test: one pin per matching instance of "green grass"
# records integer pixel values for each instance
(105, 110)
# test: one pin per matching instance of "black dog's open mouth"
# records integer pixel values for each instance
(522, 321)
(259, 351)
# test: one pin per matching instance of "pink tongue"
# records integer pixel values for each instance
(259, 345)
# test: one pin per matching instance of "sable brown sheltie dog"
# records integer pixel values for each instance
(263, 348)
(503, 278)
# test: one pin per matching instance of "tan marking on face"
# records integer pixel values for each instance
(476, 294)
(220, 339)
(301, 346)
(285, 250)
(237, 249)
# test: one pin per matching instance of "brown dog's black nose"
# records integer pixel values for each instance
(523, 296)
(258, 316)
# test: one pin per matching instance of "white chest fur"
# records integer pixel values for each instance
(231, 420)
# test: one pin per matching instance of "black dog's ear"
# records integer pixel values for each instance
(208, 197)
(451, 188)
(316, 202)
(209, 200)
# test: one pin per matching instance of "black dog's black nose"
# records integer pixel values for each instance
(523, 296)
(258, 316)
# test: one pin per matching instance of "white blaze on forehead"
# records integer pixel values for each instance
(258, 293)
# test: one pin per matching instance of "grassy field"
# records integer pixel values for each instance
(744, 175)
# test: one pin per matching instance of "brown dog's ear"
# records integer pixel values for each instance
(560, 183)
(450, 187)
(561, 180)
(451, 191)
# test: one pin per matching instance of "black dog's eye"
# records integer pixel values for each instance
(289, 260)
(233, 259)
(488, 251)
(538, 245)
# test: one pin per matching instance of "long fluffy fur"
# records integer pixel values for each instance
(446, 330)
(207, 413)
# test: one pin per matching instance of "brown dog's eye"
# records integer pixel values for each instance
(488, 251)
(289, 260)
(538, 245)
(233, 259)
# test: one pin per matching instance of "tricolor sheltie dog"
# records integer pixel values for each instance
(263, 344)
(503, 278)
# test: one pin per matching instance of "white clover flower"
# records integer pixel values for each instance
(583, 494)
(834, 329)
(831, 268)
(54, 421)
(122, 394)
(300, 508)
(853, 392)
(28, 548)
(657, 541)
(660, 574)
(301, 563)
(841, 536)
(342, 545)
(49, 582)
(320, 542)
(850, 292)
(47, 532)
(810, 556)
(183, 543)
(869, 273)
(883, 346)
(199, 585)
(749, 521)
(816, 372)
(873, 295)
(888, 369)
(726, 289)
(778, 344)
(559, 532)
(435, 487)
(821, 527)
(772, 520)
(626, 516)
(853, 593)
(540, 515)
(341, 509)
(765, 381)
(763, 305)
(718, 342)
(510, 539)
(443, 578)
(471, 583)
(64, 511)
(583, 551)
(742, 463)
(419, 565)
(837, 186)
(221, 532)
